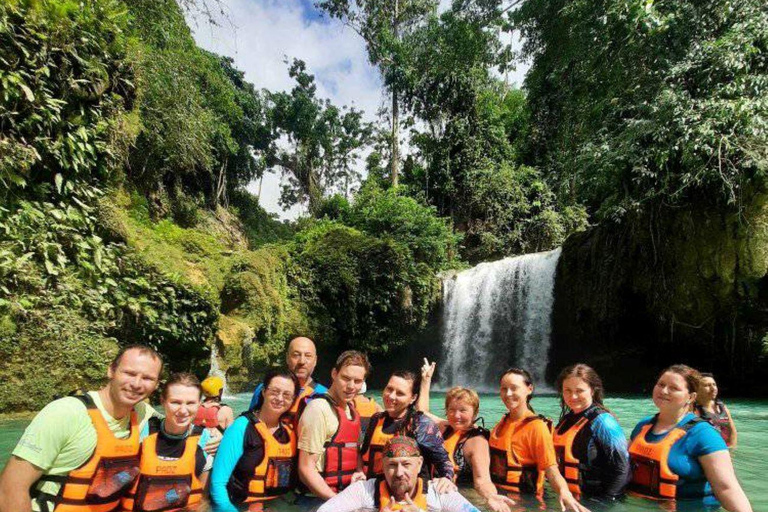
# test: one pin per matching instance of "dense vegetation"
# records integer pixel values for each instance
(125, 152)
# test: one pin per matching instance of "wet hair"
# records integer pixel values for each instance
(526, 378)
(272, 374)
(465, 394)
(181, 379)
(409, 423)
(142, 349)
(353, 358)
(588, 375)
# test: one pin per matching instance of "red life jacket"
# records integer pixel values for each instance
(207, 417)
(341, 449)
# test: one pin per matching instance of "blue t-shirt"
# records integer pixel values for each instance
(702, 439)
(230, 451)
(319, 390)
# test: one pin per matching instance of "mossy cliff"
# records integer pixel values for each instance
(677, 285)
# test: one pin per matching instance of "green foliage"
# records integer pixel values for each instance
(643, 103)
(260, 227)
(65, 80)
(362, 292)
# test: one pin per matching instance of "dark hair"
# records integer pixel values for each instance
(272, 374)
(182, 379)
(353, 358)
(142, 349)
(409, 422)
(706, 374)
(588, 375)
(526, 378)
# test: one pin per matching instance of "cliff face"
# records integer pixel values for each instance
(685, 285)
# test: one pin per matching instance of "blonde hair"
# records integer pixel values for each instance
(468, 395)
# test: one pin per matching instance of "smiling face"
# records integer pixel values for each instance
(671, 393)
(397, 396)
(707, 389)
(577, 394)
(401, 474)
(514, 392)
(180, 404)
(133, 379)
(301, 358)
(279, 394)
(347, 382)
(460, 414)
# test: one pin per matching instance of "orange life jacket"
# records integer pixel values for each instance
(507, 472)
(382, 498)
(104, 478)
(165, 484)
(275, 475)
(366, 407)
(341, 450)
(651, 476)
(373, 452)
(568, 464)
(207, 417)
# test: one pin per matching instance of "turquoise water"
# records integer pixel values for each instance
(750, 457)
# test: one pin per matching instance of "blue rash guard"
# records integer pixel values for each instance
(319, 390)
(601, 449)
(702, 439)
(230, 451)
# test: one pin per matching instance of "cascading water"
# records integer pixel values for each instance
(496, 315)
(215, 369)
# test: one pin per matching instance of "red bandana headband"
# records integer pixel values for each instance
(401, 446)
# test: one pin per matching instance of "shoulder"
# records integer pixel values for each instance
(144, 412)
(317, 412)
(704, 439)
(643, 422)
(319, 388)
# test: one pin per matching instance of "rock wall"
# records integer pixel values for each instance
(673, 285)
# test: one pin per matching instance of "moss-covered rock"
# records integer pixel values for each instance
(683, 285)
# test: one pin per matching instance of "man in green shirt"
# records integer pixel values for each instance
(62, 436)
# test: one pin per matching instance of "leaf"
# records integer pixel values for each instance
(59, 179)
(28, 93)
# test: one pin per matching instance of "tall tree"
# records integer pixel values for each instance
(317, 143)
(384, 25)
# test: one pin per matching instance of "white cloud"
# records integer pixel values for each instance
(260, 34)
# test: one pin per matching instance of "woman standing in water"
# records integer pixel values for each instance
(675, 455)
(465, 442)
(400, 417)
(173, 470)
(256, 461)
(709, 407)
(590, 445)
(522, 453)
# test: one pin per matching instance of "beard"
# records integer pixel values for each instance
(400, 489)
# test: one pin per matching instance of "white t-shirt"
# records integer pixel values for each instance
(360, 495)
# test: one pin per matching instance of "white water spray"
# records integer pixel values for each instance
(497, 315)
(215, 369)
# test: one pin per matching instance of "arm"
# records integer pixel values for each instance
(734, 434)
(612, 449)
(15, 482)
(226, 417)
(478, 454)
(229, 453)
(431, 445)
(427, 370)
(558, 483)
(719, 471)
(311, 477)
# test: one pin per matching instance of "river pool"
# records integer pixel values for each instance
(750, 457)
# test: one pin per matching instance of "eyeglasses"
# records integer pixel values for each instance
(276, 393)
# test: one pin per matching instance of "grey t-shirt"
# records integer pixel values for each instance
(360, 495)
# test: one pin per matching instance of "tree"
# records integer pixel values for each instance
(384, 25)
(323, 141)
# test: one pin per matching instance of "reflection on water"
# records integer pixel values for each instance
(751, 463)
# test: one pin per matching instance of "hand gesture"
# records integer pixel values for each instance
(444, 485)
(500, 503)
(212, 446)
(358, 476)
(427, 369)
(410, 506)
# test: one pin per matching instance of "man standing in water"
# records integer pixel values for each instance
(330, 428)
(401, 488)
(87, 444)
(301, 359)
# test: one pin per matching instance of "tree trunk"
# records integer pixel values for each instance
(395, 112)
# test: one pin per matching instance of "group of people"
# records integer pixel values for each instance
(339, 451)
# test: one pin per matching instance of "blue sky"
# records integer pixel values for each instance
(260, 34)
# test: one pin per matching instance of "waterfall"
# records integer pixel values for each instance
(215, 369)
(497, 315)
